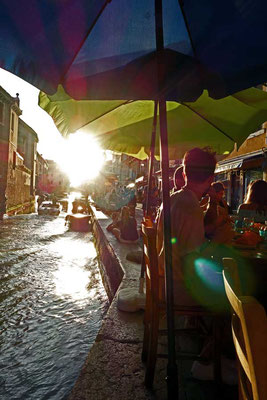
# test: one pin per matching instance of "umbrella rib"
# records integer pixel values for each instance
(105, 113)
(209, 122)
(83, 41)
(181, 2)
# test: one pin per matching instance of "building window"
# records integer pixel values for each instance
(12, 127)
(14, 159)
(1, 112)
(12, 121)
(23, 147)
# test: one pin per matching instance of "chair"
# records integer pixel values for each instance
(230, 265)
(249, 329)
(155, 308)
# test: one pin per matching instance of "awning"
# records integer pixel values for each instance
(228, 166)
(242, 161)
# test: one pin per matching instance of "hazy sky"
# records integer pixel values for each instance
(79, 156)
(50, 139)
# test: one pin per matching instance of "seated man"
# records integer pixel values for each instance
(187, 221)
(197, 277)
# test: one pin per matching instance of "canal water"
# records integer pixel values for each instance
(52, 302)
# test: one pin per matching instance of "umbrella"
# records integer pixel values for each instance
(92, 47)
(126, 126)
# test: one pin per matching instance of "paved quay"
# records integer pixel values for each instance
(113, 368)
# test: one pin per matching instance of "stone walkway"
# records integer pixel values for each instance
(113, 369)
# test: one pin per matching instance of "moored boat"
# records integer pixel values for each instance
(49, 208)
(79, 222)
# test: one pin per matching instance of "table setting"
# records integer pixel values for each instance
(250, 251)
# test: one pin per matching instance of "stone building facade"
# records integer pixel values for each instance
(16, 174)
(41, 174)
(9, 120)
(57, 181)
(27, 147)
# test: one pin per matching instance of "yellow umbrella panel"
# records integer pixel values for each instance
(126, 126)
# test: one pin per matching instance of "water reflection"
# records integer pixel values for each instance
(71, 281)
(73, 248)
(51, 306)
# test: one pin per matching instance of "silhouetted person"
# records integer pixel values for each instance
(255, 205)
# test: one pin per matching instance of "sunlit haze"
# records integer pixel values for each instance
(78, 156)
(81, 158)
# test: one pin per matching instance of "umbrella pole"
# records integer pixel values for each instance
(148, 199)
(172, 373)
(151, 159)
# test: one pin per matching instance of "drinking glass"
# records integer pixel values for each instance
(238, 223)
(248, 222)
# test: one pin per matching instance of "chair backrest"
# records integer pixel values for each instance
(249, 328)
(151, 261)
(231, 268)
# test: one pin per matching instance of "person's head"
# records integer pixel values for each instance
(216, 191)
(178, 178)
(125, 213)
(198, 168)
(257, 193)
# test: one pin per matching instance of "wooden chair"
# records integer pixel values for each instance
(231, 267)
(249, 329)
(155, 308)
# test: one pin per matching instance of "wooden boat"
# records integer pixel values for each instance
(79, 222)
(49, 208)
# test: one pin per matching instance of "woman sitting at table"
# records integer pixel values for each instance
(126, 230)
(255, 205)
(217, 221)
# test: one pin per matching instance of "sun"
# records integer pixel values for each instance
(80, 158)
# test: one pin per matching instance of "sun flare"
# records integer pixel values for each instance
(80, 158)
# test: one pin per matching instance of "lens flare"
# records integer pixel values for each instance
(204, 282)
(81, 158)
(210, 273)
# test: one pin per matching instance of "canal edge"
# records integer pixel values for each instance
(113, 368)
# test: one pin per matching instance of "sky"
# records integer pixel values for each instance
(79, 156)
(50, 140)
